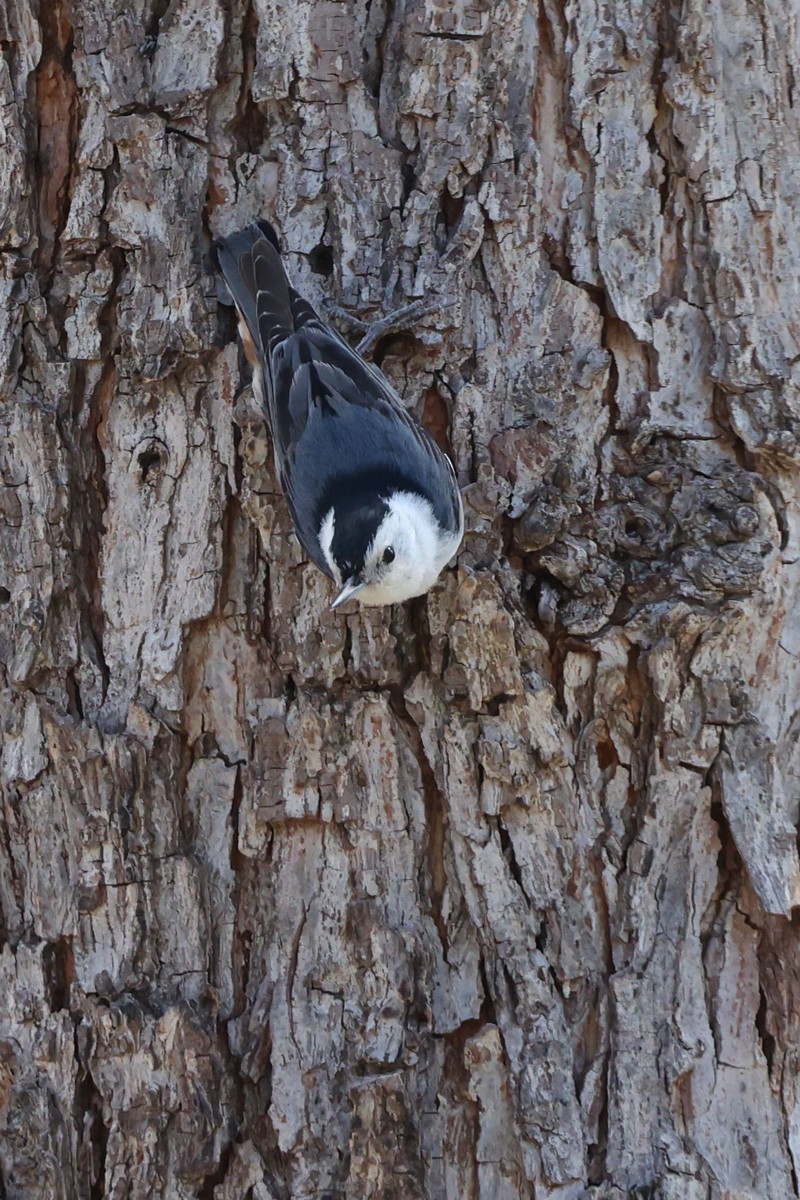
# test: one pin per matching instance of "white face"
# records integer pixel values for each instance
(406, 555)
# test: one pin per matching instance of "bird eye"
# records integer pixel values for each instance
(388, 555)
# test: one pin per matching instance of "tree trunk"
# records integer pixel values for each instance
(492, 895)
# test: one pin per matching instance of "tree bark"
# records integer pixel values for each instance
(493, 895)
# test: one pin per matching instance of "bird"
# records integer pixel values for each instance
(374, 501)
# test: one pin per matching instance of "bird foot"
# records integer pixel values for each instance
(401, 318)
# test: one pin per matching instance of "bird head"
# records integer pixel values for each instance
(384, 551)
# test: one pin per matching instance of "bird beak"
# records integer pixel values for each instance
(351, 588)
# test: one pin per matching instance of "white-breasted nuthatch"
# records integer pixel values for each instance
(374, 501)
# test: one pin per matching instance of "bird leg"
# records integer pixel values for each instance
(401, 318)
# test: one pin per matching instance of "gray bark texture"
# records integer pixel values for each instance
(494, 895)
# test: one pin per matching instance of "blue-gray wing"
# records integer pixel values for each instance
(336, 421)
(343, 424)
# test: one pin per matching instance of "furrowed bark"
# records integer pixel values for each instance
(494, 895)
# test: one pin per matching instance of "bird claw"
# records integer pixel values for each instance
(335, 310)
(401, 318)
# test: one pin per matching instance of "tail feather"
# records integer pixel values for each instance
(269, 233)
(302, 312)
(250, 264)
(273, 302)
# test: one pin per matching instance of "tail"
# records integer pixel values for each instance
(270, 308)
